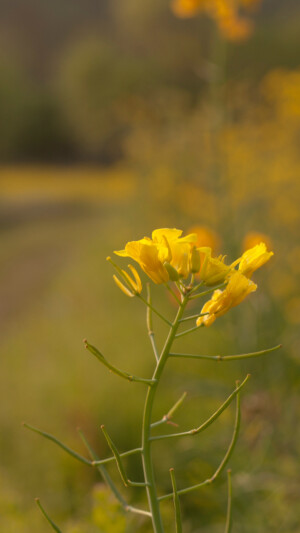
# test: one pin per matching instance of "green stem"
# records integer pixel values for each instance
(54, 526)
(121, 373)
(224, 460)
(109, 481)
(209, 421)
(178, 524)
(227, 357)
(168, 416)
(187, 331)
(229, 503)
(173, 293)
(60, 444)
(146, 431)
(192, 317)
(111, 459)
(150, 322)
(154, 310)
(127, 482)
(209, 291)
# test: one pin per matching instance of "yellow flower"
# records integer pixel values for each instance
(236, 291)
(166, 247)
(254, 258)
(179, 247)
(146, 254)
(213, 270)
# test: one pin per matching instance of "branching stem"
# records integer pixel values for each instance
(223, 462)
(209, 421)
(146, 430)
(227, 357)
(150, 323)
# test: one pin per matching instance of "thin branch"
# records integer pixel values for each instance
(223, 462)
(229, 503)
(121, 468)
(150, 323)
(113, 369)
(168, 416)
(227, 357)
(173, 293)
(192, 317)
(56, 441)
(188, 331)
(181, 288)
(108, 480)
(154, 310)
(178, 523)
(209, 421)
(194, 289)
(54, 526)
(204, 293)
(111, 459)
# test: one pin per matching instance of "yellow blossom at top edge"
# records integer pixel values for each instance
(180, 248)
(226, 14)
(238, 287)
(186, 8)
(254, 258)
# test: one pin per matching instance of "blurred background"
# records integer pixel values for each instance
(117, 117)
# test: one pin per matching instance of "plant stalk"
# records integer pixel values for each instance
(147, 418)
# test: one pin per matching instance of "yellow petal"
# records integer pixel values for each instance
(122, 287)
(137, 279)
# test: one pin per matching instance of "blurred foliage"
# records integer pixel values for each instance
(71, 81)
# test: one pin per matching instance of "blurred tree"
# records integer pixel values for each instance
(96, 83)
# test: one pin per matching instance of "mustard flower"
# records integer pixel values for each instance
(146, 254)
(161, 257)
(238, 287)
(213, 270)
(254, 258)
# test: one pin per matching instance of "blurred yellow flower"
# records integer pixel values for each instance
(253, 259)
(235, 28)
(252, 238)
(206, 237)
(186, 8)
(236, 291)
(224, 12)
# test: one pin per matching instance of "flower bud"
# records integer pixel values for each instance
(195, 261)
(173, 274)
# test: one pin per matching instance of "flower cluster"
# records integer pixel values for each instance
(232, 25)
(167, 256)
